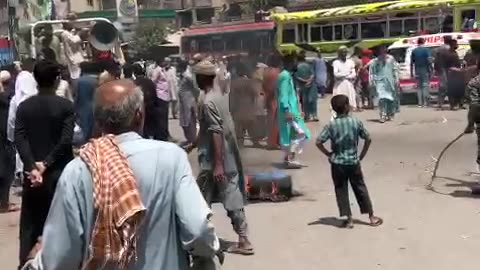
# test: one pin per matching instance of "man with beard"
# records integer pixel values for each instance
(243, 96)
(221, 174)
(455, 77)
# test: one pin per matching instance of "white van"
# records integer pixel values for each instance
(402, 49)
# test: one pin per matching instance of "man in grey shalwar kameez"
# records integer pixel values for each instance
(177, 221)
(187, 96)
(221, 175)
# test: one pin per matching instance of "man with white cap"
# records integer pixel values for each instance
(345, 75)
(4, 80)
(7, 155)
(221, 174)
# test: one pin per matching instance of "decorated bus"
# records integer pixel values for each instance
(228, 39)
(373, 24)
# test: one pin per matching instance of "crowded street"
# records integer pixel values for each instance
(422, 229)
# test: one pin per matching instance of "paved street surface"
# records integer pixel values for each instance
(422, 229)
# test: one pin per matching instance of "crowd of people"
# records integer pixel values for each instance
(105, 184)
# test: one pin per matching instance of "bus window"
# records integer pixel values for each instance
(410, 26)
(468, 19)
(338, 32)
(431, 25)
(316, 32)
(350, 31)
(396, 28)
(218, 44)
(288, 34)
(264, 40)
(302, 33)
(204, 45)
(327, 33)
(373, 29)
(447, 25)
(232, 43)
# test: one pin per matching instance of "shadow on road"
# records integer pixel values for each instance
(375, 120)
(335, 222)
(473, 192)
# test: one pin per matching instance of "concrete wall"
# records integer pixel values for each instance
(3, 21)
(83, 5)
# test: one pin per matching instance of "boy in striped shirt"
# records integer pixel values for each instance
(344, 133)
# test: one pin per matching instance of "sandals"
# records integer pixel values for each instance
(235, 249)
(377, 223)
(11, 208)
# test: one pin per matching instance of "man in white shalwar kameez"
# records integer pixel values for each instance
(345, 75)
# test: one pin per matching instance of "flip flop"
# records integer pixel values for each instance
(377, 223)
(240, 251)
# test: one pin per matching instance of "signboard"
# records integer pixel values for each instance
(5, 52)
(127, 9)
(437, 39)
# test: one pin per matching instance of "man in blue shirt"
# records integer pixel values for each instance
(320, 68)
(421, 60)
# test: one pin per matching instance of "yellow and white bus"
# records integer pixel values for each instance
(369, 25)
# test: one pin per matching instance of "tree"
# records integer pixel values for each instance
(148, 35)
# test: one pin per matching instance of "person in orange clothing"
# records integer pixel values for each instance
(270, 78)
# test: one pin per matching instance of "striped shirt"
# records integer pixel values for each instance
(344, 133)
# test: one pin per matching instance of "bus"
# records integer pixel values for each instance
(228, 39)
(373, 24)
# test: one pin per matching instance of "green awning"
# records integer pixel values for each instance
(142, 14)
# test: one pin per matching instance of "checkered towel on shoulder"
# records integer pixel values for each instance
(117, 201)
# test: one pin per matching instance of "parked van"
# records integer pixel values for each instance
(402, 49)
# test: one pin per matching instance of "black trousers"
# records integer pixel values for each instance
(7, 172)
(156, 121)
(342, 175)
(34, 211)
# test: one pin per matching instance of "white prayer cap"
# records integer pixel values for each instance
(342, 48)
(5, 76)
(197, 57)
(261, 65)
(205, 68)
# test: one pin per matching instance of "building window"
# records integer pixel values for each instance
(107, 4)
(90, 3)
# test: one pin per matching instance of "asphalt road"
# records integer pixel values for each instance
(422, 229)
